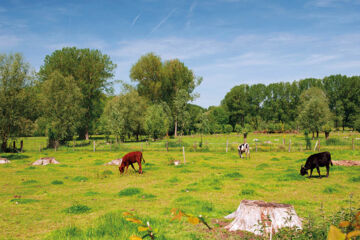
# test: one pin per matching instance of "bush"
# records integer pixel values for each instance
(227, 128)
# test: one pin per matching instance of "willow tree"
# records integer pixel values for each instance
(91, 70)
(314, 112)
(17, 109)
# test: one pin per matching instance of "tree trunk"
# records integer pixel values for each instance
(14, 145)
(21, 145)
(4, 146)
(327, 135)
(317, 134)
(245, 136)
(175, 131)
(313, 135)
(87, 134)
(261, 217)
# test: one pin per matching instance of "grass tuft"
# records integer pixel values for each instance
(129, 192)
(23, 200)
(80, 179)
(330, 190)
(354, 179)
(247, 191)
(234, 175)
(91, 193)
(77, 209)
(262, 166)
(57, 182)
(29, 182)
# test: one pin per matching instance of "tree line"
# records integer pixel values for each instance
(72, 96)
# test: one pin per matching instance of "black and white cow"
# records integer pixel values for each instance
(244, 148)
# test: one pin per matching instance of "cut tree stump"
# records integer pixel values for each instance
(261, 217)
(115, 162)
(4, 161)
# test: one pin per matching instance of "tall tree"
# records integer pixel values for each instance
(125, 115)
(314, 110)
(162, 82)
(62, 100)
(156, 121)
(148, 73)
(91, 71)
(236, 102)
(17, 111)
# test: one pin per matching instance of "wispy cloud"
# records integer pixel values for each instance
(190, 13)
(9, 41)
(163, 21)
(2, 9)
(135, 20)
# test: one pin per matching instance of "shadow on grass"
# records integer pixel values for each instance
(15, 156)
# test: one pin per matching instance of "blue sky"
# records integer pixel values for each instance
(227, 42)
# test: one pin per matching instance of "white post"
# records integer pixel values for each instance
(290, 145)
(184, 155)
(94, 145)
(315, 145)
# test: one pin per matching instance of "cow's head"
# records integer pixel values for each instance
(303, 170)
(121, 168)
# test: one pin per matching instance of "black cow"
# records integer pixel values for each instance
(244, 148)
(315, 161)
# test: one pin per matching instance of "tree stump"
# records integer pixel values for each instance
(261, 217)
(45, 161)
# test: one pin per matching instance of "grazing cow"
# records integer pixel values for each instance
(129, 159)
(244, 148)
(315, 161)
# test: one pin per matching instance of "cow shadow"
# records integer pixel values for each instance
(317, 176)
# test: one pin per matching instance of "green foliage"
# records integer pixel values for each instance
(77, 209)
(91, 193)
(90, 70)
(357, 123)
(125, 115)
(129, 192)
(157, 122)
(62, 107)
(330, 190)
(354, 179)
(314, 112)
(247, 191)
(18, 99)
(228, 128)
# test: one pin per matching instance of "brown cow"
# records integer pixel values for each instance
(129, 159)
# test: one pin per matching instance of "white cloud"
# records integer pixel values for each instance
(163, 21)
(135, 20)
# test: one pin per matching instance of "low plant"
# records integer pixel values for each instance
(178, 214)
(77, 209)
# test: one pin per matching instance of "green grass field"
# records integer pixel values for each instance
(83, 199)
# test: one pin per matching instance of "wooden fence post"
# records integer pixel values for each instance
(94, 146)
(353, 145)
(74, 145)
(290, 145)
(141, 147)
(319, 146)
(167, 146)
(184, 154)
(255, 146)
(316, 145)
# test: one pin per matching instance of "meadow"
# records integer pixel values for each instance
(81, 198)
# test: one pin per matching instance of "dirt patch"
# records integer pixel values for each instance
(346, 163)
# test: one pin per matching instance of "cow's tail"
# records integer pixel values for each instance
(143, 159)
(330, 160)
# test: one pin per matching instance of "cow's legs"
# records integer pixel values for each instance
(127, 166)
(133, 166)
(318, 170)
(327, 170)
(140, 170)
(311, 172)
